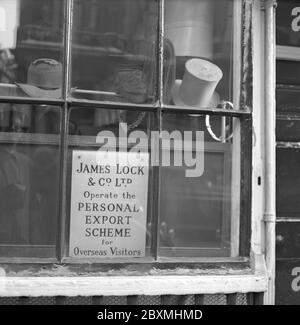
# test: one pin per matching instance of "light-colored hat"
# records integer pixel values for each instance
(197, 89)
(189, 25)
(44, 79)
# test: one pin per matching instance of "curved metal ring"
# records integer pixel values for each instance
(209, 129)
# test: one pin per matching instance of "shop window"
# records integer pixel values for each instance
(200, 219)
(83, 82)
(114, 50)
(32, 31)
(30, 160)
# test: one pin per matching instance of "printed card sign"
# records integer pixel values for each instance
(108, 204)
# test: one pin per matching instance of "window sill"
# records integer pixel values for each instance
(73, 280)
(134, 285)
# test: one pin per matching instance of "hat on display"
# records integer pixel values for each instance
(185, 21)
(44, 79)
(197, 88)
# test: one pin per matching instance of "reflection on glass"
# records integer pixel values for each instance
(287, 99)
(25, 118)
(198, 53)
(31, 48)
(90, 121)
(287, 72)
(114, 50)
(29, 179)
(288, 240)
(288, 129)
(195, 212)
(288, 108)
(118, 125)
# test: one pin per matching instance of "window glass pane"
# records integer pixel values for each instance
(31, 48)
(288, 183)
(198, 200)
(114, 50)
(287, 72)
(288, 240)
(288, 99)
(110, 203)
(29, 179)
(288, 128)
(288, 118)
(287, 22)
(198, 47)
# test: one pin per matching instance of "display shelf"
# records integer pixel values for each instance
(110, 51)
(29, 138)
(46, 139)
(87, 141)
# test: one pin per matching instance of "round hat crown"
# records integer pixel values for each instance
(45, 73)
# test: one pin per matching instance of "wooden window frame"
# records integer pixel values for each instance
(241, 216)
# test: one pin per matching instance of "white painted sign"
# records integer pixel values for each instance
(108, 204)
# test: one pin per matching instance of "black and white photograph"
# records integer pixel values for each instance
(149, 156)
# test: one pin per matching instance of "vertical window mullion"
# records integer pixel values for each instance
(158, 118)
(63, 180)
(64, 128)
(160, 51)
(67, 47)
(236, 161)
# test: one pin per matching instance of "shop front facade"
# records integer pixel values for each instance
(146, 150)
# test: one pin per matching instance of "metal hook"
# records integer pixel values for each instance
(222, 138)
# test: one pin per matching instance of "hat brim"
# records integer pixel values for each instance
(36, 92)
(215, 100)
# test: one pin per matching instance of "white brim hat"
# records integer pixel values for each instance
(37, 92)
(215, 100)
(44, 79)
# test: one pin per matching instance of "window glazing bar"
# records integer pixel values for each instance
(64, 130)
(161, 50)
(209, 111)
(111, 105)
(62, 216)
(158, 120)
(270, 146)
(31, 101)
(67, 47)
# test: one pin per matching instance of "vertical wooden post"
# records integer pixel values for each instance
(132, 300)
(98, 300)
(182, 300)
(199, 299)
(61, 300)
(23, 301)
(231, 299)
